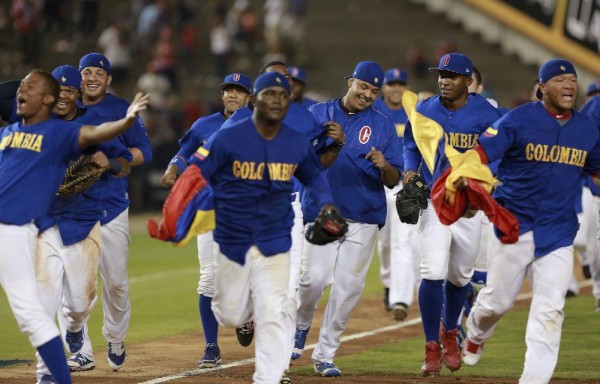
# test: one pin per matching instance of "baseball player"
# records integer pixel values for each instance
(299, 119)
(448, 253)
(396, 241)
(540, 141)
(299, 86)
(252, 184)
(235, 93)
(368, 161)
(35, 153)
(96, 77)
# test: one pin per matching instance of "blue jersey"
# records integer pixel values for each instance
(197, 135)
(592, 110)
(113, 108)
(399, 118)
(298, 119)
(540, 170)
(33, 161)
(355, 181)
(251, 180)
(77, 214)
(462, 128)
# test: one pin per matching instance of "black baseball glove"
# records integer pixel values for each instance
(412, 200)
(328, 227)
(80, 176)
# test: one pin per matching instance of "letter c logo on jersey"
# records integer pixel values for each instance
(365, 134)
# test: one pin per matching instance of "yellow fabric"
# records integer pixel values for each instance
(204, 221)
(428, 133)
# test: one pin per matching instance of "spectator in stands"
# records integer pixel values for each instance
(113, 42)
(27, 17)
(220, 46)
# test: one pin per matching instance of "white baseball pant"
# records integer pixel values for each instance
(549, 276)
(448, 251)
(67, 275)
(17, 277)
(345, 265)
(258, 290)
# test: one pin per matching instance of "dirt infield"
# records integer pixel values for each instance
(174, 355)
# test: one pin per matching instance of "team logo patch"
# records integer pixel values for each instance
(562, 68)
(278, 80)
(63, 79)
(236, 77)
(102, 63)
(396, 73)
(364, 135)
(446, 61)
(376, 80)
(490, 132)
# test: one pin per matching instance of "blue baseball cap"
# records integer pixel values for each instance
(238, 79)
(271, 79)
(94, 59)
(455, 62)
(297, 74)
(370, 72)
(553, 68)
(68, 76)
(395, 75)
(593, 88)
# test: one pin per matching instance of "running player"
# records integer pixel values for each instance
(447, 253)
(35, 153)
(368, 161)
(235, 93)
(96, 77)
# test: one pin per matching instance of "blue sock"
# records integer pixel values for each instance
(455, 299)
(53, 355)
(431, 297)
(479, 277)
(209, 322)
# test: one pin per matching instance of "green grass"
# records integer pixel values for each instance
(163, 281)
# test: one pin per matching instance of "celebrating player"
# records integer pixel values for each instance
(447, 253)
(39, 147)
(542, 147)
(252, 184)
(397, 241)
(368, 161)
(69, 240)
(235, 93)
(298, 87)
(96, 77)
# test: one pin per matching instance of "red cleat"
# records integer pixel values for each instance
(451, 351)
(432, 365)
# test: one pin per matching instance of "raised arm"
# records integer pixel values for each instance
(92, 135)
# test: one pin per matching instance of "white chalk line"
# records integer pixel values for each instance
(355, 336)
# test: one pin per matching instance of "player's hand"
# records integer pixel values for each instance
(335, 131)
(140, 103)
(377, 158)
(461, 183)
(100, 159)
(169, 177)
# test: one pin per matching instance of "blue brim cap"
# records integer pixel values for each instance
(68, 76)
(370, 72)
(297, 74)
(455, 62)
(94, 60)
(553, 68)
(270, 79)
(395, 75)
(238, 79)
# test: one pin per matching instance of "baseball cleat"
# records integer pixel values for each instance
(326, 369)
(81, 362)
(285, 380)
(386, 299)
(432, 365)
(212, 356)
(45, 379)
(245, 334)
(299, 341)
(471, 353)
(400, 311)
(450, 349)
(74, 341)
(116, 355)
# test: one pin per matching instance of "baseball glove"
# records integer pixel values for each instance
(80, 176)
(328, 227)
(412, 200)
